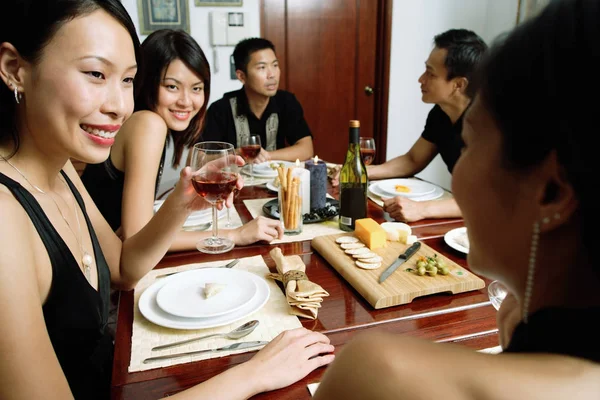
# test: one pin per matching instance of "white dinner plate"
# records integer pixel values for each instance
(417, 188)
(183, 294)
(264, 170)
(437, 193)
(153, 313)
(458, 239)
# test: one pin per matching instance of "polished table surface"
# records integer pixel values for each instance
(466, 318)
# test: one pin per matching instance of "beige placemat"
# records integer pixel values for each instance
(274, 318)
(377, 200)
(309, 231)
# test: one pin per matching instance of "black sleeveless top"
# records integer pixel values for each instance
(570, 332)
(104, 182)
(76, 315)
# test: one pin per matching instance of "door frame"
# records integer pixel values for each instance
(382, 63)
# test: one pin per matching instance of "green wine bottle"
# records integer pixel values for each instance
(353, 183)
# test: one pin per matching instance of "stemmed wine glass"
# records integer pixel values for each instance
(496, 292)
(367, 150)
(250, 148)
(215, 174)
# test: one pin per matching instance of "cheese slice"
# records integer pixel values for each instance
(370, 233)
(212, 289)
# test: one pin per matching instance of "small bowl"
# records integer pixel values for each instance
(496, 292)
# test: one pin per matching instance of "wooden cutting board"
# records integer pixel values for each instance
(402, 286)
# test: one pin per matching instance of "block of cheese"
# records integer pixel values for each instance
(411, 239)
(370, 233)
(397, 231)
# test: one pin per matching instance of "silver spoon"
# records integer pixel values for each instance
(237, 333)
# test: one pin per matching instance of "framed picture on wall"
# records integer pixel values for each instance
(213, 3)
(163, 14)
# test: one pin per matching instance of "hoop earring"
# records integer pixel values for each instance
(17, 95)
(531, 270)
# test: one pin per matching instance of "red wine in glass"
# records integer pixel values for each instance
(250, 152)
(367, 150)
(367, 155)
(215, 186)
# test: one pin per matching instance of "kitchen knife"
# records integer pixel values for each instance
(401, 259)
(235, 346)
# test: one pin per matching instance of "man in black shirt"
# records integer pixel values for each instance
(445, 83)
(259, 108)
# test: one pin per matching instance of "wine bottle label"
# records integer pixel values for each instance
(346, 220)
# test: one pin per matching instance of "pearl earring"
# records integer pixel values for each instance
(531, 270)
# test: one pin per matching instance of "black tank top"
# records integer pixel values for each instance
(76, 315)
(104, 182)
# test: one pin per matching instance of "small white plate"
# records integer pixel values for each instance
(153, 313)
(183, 294)
(197, 217)
(437, 193)
(264, 170)
(417, 188)
(457, 238)
(272, 187)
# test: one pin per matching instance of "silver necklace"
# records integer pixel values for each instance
(86, 259)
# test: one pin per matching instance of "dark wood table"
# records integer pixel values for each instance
(467, 318)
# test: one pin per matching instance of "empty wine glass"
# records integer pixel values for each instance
(250, 149)
(215, 174)
(367, 150)
(496, 292)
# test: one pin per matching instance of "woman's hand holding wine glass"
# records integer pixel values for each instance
(214, 176)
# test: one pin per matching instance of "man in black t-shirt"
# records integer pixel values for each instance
(259, 108)
(446, 83)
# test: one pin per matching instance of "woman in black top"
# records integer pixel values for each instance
(526, 184)
(67, 69)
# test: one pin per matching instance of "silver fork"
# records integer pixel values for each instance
(228, 265)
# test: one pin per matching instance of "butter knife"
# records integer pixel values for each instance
(401, 260)
(235, 346)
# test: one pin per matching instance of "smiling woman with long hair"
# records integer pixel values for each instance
(67, 69)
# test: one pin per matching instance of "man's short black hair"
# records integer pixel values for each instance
(244, 49)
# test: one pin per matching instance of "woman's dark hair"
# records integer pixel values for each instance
(535, 85)
(158, 51)
(30, 25)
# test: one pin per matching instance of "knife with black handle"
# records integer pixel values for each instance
(401, 260)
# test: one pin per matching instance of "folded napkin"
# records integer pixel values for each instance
(305, 297)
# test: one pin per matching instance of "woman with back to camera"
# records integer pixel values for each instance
(525, 183)
(67, 70)
(172, 88)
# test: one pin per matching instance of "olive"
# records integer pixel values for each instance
(421, 263)
(421, 271)
(433, 271)
(444, 271)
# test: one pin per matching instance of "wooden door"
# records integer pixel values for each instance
(331, 52)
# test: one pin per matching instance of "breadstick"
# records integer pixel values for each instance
(293, 206)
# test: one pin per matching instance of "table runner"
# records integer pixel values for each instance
(274, 318)
(309, 231)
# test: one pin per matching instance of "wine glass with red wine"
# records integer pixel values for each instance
(367, 150)
(215, 174)
(250, 150)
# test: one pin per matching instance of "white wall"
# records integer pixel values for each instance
(414, 24)
(221, 83)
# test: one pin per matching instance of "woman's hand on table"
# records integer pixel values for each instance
(290, 357)
(260, 228)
